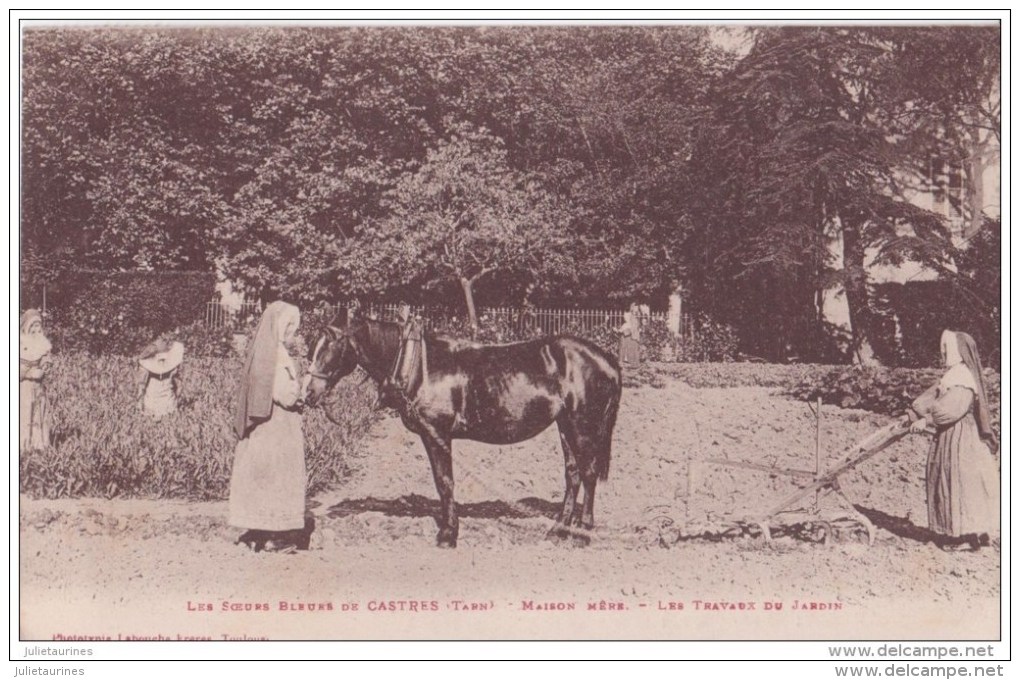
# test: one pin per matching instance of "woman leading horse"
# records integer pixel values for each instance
(446, 389)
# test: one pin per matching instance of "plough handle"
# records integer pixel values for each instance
(893, 433)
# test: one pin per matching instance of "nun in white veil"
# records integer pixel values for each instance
(34, 357)
(962, 476)
(267, 484)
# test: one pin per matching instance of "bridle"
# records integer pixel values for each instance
(337, 335)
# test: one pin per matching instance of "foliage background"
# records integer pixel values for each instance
(550, 165)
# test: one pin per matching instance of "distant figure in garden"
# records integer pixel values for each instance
(159, 377)
(34, 358)
(630, 337)
(403, 313)
(962, 475)
(267, 486)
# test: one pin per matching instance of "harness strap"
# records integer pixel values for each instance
(412, 352)
(424, 356)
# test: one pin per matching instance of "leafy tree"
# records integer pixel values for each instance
(117, 145)
(556, 163)
(259, 149)
(465, 214)
(796, 162)
(941, 99)
(334, 119)
(609, 116)
(979, 282)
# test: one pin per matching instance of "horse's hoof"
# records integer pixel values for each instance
(580, 541)
(446, 540)
(253, 540)
(557, 535)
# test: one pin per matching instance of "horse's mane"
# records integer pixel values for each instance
(383, 332)
(386, 334)
(454, 343)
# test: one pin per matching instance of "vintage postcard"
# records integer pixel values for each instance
(673, 331)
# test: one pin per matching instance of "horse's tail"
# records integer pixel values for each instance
(598, 404)
(607, 423)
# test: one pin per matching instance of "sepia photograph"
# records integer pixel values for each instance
(562, 331)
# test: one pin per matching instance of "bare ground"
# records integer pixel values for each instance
(658, 568)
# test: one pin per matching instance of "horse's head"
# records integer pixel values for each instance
(334, 356)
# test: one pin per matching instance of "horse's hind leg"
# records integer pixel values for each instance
(586, 520)
(441, 460)
(583, 518)
(587, 448)
(572, 477)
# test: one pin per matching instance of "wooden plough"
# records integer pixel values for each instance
(788, 512)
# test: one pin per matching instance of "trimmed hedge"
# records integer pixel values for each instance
(883, 390)
(745, 374)
(710, 341)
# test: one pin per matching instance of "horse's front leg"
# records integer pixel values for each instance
(441, 459)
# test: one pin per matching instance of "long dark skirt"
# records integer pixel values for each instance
(630, 351)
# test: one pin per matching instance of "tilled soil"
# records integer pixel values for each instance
(673, 557)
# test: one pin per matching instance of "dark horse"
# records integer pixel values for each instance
(498, 394)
